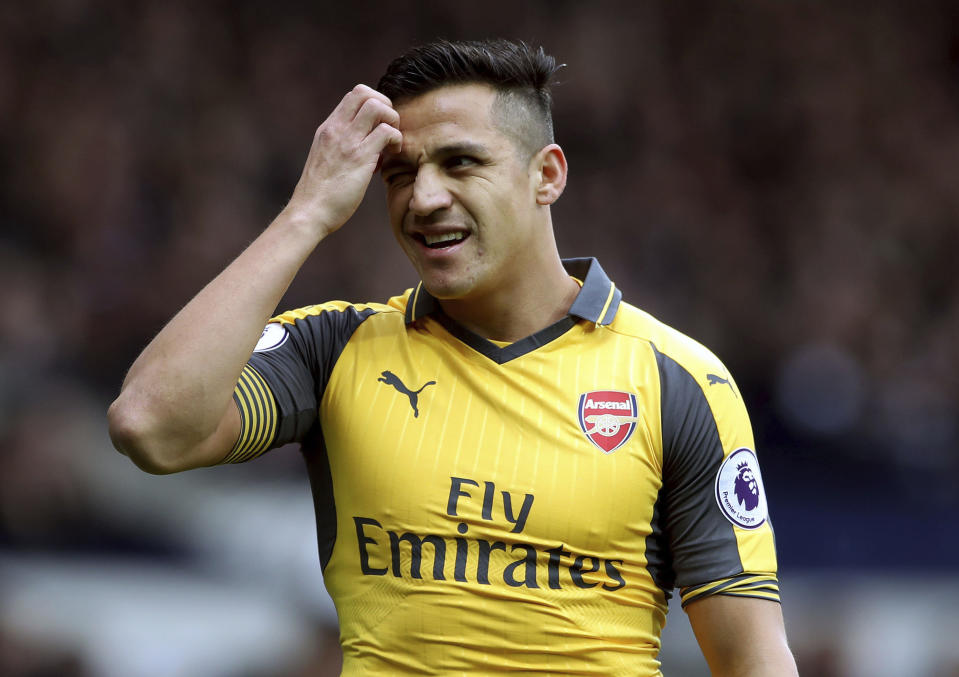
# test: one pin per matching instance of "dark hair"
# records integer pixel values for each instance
(519, 73)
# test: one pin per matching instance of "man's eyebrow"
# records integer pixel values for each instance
(461, 148)
(394, 161)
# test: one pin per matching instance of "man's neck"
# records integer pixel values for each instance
(517, 311)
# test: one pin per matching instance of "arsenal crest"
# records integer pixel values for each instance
(608, 418)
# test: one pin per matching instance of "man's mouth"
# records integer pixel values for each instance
(442, 240)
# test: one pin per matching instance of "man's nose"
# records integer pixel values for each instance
(429, 193)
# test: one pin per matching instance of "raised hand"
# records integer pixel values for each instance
(344, 155)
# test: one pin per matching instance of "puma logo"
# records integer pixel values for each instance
(714, 380)
(392, 379)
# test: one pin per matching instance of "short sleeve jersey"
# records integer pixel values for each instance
(484, 507)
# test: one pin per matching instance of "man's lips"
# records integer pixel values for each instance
(438, 240)
(440, 248)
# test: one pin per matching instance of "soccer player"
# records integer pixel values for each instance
(512, 468)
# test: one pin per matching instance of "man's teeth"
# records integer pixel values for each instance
(445, 237)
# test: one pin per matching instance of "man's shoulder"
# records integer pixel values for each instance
(665, 339)
(396, 304)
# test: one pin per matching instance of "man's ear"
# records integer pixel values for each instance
(550, 166)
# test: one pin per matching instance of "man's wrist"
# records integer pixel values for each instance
(309, 225)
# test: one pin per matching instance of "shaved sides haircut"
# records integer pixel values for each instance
(520, 74)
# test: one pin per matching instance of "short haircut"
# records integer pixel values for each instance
(519, 73)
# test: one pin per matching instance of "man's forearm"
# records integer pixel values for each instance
(175, 407)
(772, 664)
(742, 637)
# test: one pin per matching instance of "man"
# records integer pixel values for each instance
(512, 468)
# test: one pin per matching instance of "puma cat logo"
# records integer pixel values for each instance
(716, 380)
(392, 379)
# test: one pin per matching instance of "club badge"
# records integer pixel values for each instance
(608, 418)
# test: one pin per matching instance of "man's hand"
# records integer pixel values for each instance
(345, 152)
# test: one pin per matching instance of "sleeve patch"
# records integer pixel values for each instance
(258, 417)
(739, 490)
(274, 335)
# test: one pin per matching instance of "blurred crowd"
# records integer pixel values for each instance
(778, 180)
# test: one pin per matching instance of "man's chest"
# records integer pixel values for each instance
(559, 448)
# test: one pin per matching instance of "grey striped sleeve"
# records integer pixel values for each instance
(298, 370)
(691, 543)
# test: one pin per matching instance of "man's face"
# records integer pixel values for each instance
(460, 193)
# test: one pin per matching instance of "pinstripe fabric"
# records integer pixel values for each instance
(466, 521)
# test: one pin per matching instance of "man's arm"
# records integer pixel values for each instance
(742, 636)
(175, 410)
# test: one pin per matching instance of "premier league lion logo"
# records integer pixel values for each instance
(746, 487)
(739, 489)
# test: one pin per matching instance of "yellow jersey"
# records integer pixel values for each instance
(528, 507)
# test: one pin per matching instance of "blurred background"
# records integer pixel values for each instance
(779, 180)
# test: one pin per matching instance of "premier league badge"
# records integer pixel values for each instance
(274, 335)
(608, 418)
(739, 490)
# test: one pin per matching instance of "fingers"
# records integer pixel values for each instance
(354, 100)
(345, 152)
(384, 136)
(373, 112)
(358, 118)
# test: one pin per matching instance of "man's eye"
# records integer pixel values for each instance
(460, 161)
(396, 178)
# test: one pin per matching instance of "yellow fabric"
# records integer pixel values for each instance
(568, 593)
(477, 529)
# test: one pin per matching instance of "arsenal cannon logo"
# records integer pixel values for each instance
(608, 418)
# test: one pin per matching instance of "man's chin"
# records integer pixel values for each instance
(446, 290)
(441, 281)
